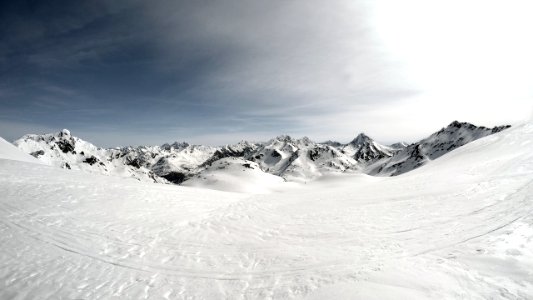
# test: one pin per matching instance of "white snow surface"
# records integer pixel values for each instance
(9, 151)
(235, 174)
(436, 145)
(460, 227)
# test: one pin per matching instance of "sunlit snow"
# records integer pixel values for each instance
(459, 227)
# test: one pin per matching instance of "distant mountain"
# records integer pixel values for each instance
(300, 158)
(241, 149)
(333, 144)
(441, 142)
(283, 156)
(398, 146)
(365, 150)
(168, 163)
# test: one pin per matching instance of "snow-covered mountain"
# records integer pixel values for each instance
(283, 156)
(241, 149)
(300, 159)
(168, 163)
(399, 146)
(287, 157)
(366, 151)
(439, 143)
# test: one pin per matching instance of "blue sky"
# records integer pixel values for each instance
(215, 72)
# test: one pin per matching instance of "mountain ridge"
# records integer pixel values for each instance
(294, 159)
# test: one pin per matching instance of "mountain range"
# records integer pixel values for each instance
(283, 156)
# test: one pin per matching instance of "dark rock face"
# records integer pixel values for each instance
(313, 154)
(228, 151)
(66, 146)
(175, 145)
(91, 160)
(500, 128)
(37, 153)
(175, 177)
(369, 153)
(275, 153)
(134, 163)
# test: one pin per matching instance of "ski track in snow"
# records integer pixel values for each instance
(460, 227)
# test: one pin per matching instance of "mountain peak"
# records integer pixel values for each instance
(64, 132)
(458, 124)
(175, 145)
(283, 138)
(288, 139)
(453, 136)
(360, 139)
(365, 150)
(399, 145)
(332, 143)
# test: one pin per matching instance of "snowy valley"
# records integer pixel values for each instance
(448, 217)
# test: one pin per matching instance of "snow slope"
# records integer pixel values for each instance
(436, 145)
(9, 151)
(460, 227)
(235, 174)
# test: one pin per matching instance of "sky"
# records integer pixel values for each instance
(217, 72)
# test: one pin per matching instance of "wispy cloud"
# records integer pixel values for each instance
(165, 70)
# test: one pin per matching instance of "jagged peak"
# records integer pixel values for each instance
(288, 139)
(332, 143)
(458, 124)
(399, 145)
(283, 138)
(64, 132)
(175, 145)
(61, 135)
(239, 146)
(245, 143)
(360, 139)
(305, 140)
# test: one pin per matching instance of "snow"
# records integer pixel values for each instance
(300, 160)
(238, 175)
(459, 227)
(366, 151)
(145, 163)
(9, 151)
(436, 145)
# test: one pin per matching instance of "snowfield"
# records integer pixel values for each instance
(459, 227)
